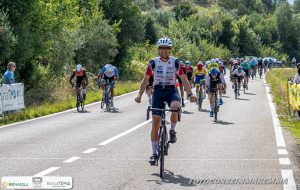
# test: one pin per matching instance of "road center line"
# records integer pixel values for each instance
(70, 160)
(89, 150)
(47, 171)
(124, 133)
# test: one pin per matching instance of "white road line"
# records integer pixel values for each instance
(89, 150)
(282, 152)
(288, 174)
(284, 161)
(124, 133)
(62, 112)
(47, 171)
(70, 160)
(276, 124)
(280, 142)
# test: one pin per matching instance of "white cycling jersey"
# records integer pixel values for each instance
(237, 73)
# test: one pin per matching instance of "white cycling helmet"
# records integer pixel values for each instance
(164, 42)
(78, 68)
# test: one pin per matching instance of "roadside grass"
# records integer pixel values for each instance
(68, 102)
(277, 78)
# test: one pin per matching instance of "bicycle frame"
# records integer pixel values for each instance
(163, 143)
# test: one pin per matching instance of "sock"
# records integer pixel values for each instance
(154, 147)
(173, 125)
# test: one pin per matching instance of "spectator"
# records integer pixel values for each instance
(8, 76)
(294, 61)
(297, 76)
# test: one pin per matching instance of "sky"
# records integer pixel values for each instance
(291, 1)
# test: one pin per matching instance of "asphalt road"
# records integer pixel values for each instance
(241, 146)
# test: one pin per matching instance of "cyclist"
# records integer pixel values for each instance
(223, 69)
(213, 64)
(234, 66)
(246, 68)
(165, 69)
(214, 82)
(260, 64)
(189, 71)
(199, 76)
(107, 76)
(239, 74)
(81, 79)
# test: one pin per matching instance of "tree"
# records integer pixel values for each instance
(151, 33)
(7, 40)
(297, 6)
(131, 22)
(286, 26)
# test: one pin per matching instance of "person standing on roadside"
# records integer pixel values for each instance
(9, 77)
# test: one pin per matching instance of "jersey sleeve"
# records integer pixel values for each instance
(116, 72)
(102, 71)
(149, 68)
(222, 78)
(181, 71)
(73, 75)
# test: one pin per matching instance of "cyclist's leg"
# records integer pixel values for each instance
(174, 103)
(84, 88)
(157, 102)
(102, 85)
(211, 101)
(78, 84)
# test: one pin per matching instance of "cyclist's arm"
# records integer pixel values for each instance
(144, 84)
(71, 78)
(223, 80)
(85, 77)
(207, 81)
(116, 73)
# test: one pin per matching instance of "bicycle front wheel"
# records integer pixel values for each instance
(216, 109)
(162, 151)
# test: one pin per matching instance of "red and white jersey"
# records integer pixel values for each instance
(164, 73)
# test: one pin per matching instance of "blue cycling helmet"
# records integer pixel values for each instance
(214, 71)
(78, 68)
(240, 69)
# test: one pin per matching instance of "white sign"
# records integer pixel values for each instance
(43, 182)
(12, 97)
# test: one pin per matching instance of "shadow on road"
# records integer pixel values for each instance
(187, 112)
(245, 99)
(85, 111)
(225, 97)
(204, 110)
(248, 93)
(169, 177)
(223, 122)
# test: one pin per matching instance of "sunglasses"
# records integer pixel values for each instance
(164, 48)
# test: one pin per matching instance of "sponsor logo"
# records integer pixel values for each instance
(4, 184)
(58, 183)
(37, 181)
(18, 184)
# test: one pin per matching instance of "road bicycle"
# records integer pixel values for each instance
(163, 142)
(106, 100)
